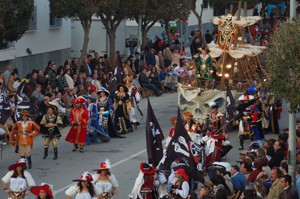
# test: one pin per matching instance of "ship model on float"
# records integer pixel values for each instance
(232, 61)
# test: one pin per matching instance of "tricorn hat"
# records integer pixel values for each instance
(147, 169)
(102, 89)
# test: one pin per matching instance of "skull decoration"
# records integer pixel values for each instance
(199, 105)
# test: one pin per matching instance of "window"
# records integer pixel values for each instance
(33, 20)
(6, 44)
(205, 4)
(55, 21)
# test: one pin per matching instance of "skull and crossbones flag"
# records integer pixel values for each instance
(230, 104)
(154, 137)
(185, 151)
(5, 110)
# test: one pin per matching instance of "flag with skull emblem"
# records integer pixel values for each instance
(154, 137)
(181, 147)
(5, 110)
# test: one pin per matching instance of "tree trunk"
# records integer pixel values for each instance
(199, 18)
(86, 25)
(144, 39)
(168, 32)
(112, 42)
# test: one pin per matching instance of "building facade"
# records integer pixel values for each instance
(47, 38)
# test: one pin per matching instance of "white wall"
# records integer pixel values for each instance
(98, 38)
(44, 39)
(207, 15)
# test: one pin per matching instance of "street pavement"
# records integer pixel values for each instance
(125, 154)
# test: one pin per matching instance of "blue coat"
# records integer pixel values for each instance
(239, 181)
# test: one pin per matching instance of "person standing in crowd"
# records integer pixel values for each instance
(167, 55)
(278, 154)
(44, 191)
(49, 129)
(122, 108)
(288, 192)
(79, 117)
(150, 59)
(18, 179)
(238, 179)
(52, 76)
(95, 131)
(23, 133)
(275, 189)
(208, 37)
(85, 67)
(84, 189)
(105, 180)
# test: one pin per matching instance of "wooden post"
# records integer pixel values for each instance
(231, 9)
(239, 11)
(245, 9)
(222, 86)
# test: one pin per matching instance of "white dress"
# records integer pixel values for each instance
(74, 192)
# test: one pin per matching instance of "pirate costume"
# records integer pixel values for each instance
(79, 117)
(122, 106)
(18, 182)
(23, 133)
(49, 129)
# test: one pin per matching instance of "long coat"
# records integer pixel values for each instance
(24, 132)
(78, 133)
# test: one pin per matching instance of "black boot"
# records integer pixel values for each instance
(29, 162)
(55, 153)
(45, 153)
(75, 147)
(81, 149)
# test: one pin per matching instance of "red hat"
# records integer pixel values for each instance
(45, 187)
(188, 115)
(147, 169)
(19, 163)
(86, 176)
(182, 172)
(104, 165)
(173, 121)
(79, 100)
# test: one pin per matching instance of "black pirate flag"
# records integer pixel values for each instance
(181, 147)
(154, 137)
(5, 110)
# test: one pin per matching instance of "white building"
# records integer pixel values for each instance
(99, 40)
(48, 38)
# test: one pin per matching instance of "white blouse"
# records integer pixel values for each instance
(18, 184)
(74, 191)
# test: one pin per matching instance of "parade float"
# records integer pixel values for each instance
(232, 61)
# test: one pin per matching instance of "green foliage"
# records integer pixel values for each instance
(14, 18)
(284, 63)
(83, 9)
(174, 9)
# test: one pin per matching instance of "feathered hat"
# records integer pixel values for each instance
(86, 176)
(43, 187)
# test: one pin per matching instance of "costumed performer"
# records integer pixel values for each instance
(191, 127)
(49, 129)
(204, 65)
(23, 132)
(84, 189)
(105, 180)
(144, 184)
(106, 108)
(135, 113)
(19, 180)
(95, 131)
(181, 188)
(79, 117)
(122, 106)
